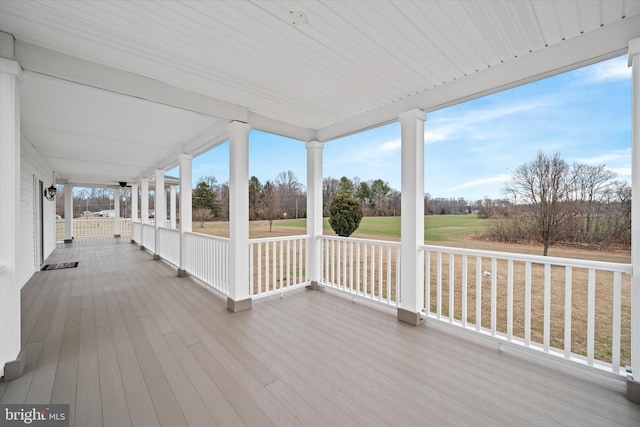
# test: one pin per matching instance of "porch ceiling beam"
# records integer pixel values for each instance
(607, 42)
(69, 68)
(260, 122)
(211, 137)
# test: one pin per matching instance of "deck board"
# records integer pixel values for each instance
(126, 342)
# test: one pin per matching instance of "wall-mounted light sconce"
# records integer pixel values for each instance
(50, 193)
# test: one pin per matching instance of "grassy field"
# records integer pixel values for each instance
(439, 228)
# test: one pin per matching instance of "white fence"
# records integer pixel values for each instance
(277, 264)
(149, 237)
(169, 245)
(136, 231)
(569, 308)
(207, 258)
(364, 268)
(93, 227)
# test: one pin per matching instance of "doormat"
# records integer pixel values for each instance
(59, 266)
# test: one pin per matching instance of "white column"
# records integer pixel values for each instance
(172, 206)
(239, 295)
(116, 216)
(314, 211)
(144, 200)
(160, 199)
(134, 210)
(144, 208)
(10, 346)
(412, 220)
(185, 207)
(633, 384)
(134, 202)
(68, 213)
(160, 209)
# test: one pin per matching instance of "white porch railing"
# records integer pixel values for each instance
(362, 267)
(169, 245)
(207, 258)
(578, 310)
(277, 264)
(93, 227)
(136, 231)
(149, 237)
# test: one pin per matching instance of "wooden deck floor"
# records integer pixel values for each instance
(125, 342)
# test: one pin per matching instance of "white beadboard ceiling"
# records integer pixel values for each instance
(128, 84)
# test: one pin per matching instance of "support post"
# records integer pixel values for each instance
(239, 297)
(116, 215)
(68, 213)
(185, 207)
(134, 208)
(144, 200)
(412, 220)
(172, 206)
(160, 209)
(633, 382)
(11, 357)
(144, 208)
(314, 212)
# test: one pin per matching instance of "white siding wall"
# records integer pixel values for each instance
(33, 169)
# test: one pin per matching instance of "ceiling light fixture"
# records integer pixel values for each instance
(297, 17)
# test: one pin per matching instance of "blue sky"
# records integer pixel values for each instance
(472, 148)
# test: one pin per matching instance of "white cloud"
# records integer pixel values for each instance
(605, 158)
(483, 181)
(614, 69)
(392, 145)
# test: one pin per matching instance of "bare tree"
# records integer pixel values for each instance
(544, 185)
(592, 185)
(270, 203)
(201, 215)
(329, 191)
(288, 188)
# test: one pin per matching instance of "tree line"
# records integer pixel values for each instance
(549, 201)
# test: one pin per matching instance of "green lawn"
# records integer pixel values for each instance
(438, 228)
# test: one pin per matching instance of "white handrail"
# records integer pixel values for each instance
(364, 268)
(546, 288)
(277, 264)
(207, 258)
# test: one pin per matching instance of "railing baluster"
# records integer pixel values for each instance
(427, 278)
(438, 284)
(567, 311)
(510, 300)
(547, 307)
(380, 264)
(527, 304)
(478, 293)
(464, 290)
(617, 303)
(591, 315)
(388, 274)
(274, 265)
(494, 294)
(451, 287)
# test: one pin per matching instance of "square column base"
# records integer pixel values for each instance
(314, 285)
(236, 306)
(156, 257)
(182, 272)
(633, 390)
(409, 317)
(14, 368)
